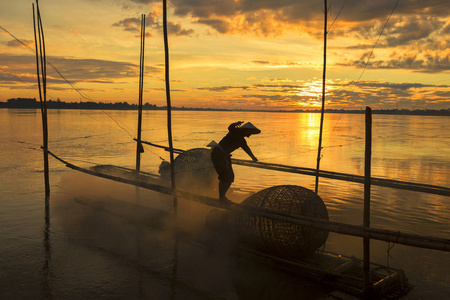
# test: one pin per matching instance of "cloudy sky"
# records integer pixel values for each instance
(248, 54)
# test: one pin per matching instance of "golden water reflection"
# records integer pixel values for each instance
(405, 148)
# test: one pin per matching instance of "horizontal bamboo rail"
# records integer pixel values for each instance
(411, 186)
(342, 228)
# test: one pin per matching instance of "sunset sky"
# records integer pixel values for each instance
(246, 54)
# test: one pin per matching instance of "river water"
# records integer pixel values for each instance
(82, 252)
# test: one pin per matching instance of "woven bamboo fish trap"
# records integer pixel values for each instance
(278, 237)
(194, 168)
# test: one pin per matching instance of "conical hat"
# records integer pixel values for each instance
(251, 128)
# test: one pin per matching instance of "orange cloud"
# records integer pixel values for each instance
(60, 26)
(76, 31)
(153, 21)
(262, 23)
(426, 60)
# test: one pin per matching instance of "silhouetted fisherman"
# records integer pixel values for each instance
(221, 154)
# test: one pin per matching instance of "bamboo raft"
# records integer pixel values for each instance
(326, 268)
(339, 272)
(330, 269)
(152, 182)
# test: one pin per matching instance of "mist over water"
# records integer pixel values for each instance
(110, 240)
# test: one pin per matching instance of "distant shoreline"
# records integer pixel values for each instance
(32, 103)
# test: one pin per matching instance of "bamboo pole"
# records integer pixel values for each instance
(169, 106)
(319, 150)
(139, 148)
(366, 217)
(41, 71)
(169, 133)
(397, 184)
(397, 237)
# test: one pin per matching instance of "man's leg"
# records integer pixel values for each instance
(223, 188)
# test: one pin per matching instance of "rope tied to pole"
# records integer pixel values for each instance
(388, 252)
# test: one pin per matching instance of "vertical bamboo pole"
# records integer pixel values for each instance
(139, 148)
(367, 183)
(325, 32)
(46, 268)
(172, 167)
(169, 106)
(41, 69)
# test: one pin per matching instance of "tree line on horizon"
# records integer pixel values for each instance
(58, 104)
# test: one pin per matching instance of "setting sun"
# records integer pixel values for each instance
(235, 54)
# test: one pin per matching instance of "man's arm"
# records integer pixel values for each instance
(247, 150)
(233, 126)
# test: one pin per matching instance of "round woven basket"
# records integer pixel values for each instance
(279, 237)
(194, 168)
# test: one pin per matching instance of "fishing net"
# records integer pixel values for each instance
(279, 237)
(194, 169)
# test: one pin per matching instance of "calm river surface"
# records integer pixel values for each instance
(81, 252)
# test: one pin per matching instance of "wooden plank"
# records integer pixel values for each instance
(387, 281)
(351, 263)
